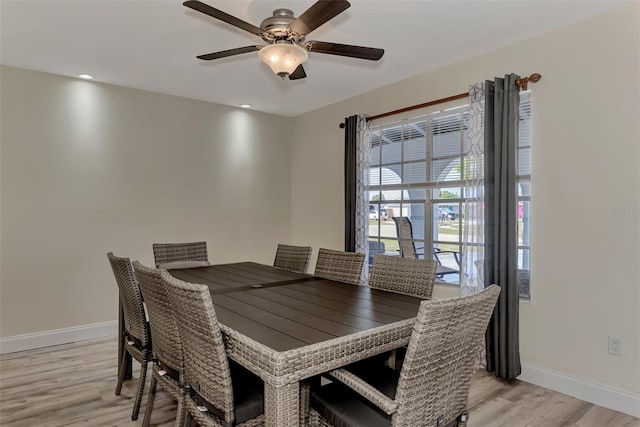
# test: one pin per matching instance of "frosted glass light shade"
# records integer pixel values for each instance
(283, 58)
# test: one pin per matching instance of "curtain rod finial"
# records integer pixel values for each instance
(342, 125)
(523, 83)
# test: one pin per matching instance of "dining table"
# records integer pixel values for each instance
(286, 326)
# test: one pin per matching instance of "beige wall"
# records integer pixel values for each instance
(89, 168)
(585, 262)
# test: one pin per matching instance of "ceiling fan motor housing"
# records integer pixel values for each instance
(276, 26)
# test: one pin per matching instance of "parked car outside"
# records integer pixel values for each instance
(446, 214)
(381, 214)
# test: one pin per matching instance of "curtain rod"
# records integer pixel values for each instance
(522, 83)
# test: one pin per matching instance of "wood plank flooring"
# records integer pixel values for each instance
(73, 385)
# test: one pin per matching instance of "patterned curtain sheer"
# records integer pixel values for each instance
(363, 161)
(472, 262)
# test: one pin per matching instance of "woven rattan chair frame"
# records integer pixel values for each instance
(137, 337)
(433, 388)
(172, 252)
(340, 266)
(167, 348)
(410, 276)
(293, 258)
(206, 365)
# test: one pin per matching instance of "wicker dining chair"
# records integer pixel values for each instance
(410, 276)
(432, 388)
(293, 258)
(168, 364)
(340, 266)
(219, 391)
(137, 337)
(165, 253)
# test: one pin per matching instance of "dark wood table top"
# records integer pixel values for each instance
(223, 278)
(292, 310)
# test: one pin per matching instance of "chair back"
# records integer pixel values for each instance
(172, 252)
(293, 258)
(404, 231)
(340, 266)
(205, 358)
(411, 276)
(135, 321)
(375, 247)
(164, 332)
(434, 381)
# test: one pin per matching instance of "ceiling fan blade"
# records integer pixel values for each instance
(298, 73)
(230, 52)
(361, 52)
(218, 14)
(321, 12)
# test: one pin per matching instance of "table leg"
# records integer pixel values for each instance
(281, 405)
(392, 360)
(122, 353)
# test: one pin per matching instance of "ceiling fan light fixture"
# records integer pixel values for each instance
(285, 36)
(283, 58)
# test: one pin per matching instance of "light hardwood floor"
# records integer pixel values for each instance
(73, 385)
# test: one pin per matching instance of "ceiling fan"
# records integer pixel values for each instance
(285, 34)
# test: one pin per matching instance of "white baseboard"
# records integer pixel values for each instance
(598, 394)
(57, 337)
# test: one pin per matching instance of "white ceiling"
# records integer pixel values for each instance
(152, 44)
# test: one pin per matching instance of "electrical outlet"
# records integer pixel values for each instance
(615, 345)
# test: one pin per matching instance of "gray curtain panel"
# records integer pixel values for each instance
(501, 229)
(350, 182)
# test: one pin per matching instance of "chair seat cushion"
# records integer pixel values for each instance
(248, 397)
(377, 374)
(343, 407)
(248, 393)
